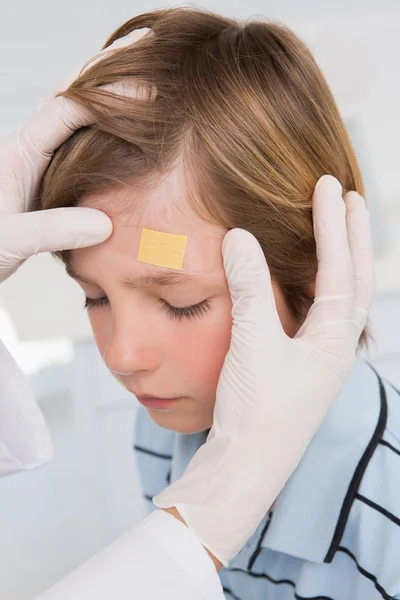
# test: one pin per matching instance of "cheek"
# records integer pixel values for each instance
(195, 350)
(200, 350)
(100, 329)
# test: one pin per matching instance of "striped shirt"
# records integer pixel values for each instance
(334, 531)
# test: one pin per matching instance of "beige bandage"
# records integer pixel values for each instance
(162, 249)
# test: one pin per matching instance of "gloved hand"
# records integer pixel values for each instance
(274, 391)
(24, 155)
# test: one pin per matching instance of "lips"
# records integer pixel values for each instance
(157, 403)
(151, 397)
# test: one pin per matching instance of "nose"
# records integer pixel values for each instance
(131, 349)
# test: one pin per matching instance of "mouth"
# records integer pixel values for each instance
(160, 404)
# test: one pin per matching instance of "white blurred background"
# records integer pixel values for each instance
(53, 519)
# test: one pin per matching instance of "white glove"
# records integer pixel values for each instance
(24, 155)
(274, 391)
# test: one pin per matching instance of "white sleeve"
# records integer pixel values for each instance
(159, 559)
(25, 441)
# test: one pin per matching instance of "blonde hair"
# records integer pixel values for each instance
(246, 108)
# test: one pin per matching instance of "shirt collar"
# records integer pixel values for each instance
(308, 509)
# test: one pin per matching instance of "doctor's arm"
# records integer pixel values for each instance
(158, 559)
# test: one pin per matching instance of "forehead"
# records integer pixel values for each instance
(162, 207)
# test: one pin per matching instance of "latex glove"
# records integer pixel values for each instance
(274, 391)
(24, 155)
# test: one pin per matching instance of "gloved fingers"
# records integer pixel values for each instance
(253, 303)
(37, 139)
(128, 39)
(64, 117)
(361, 248)
(345, 279)
(43, 102)
(25, 153)
(45, 131)
(334, 286)
(335, 269)
(26, 234)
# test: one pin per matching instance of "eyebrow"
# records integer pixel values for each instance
(159, 279)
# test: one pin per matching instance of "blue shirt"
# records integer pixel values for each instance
(334, 530)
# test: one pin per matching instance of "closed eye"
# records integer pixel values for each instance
(90, 303)
(187, 312)
(174, 312)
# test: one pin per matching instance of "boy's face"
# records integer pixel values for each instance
(165, 353)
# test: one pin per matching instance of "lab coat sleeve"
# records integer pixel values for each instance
(25, 441)
(159, 559)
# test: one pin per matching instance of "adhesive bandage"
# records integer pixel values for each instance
(162, 249)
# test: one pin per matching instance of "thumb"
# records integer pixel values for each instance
(23, 235)
(249, 281)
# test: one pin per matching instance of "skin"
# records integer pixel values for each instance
(163, 356)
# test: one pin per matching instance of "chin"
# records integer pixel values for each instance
(180, 423)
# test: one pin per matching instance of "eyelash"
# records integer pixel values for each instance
(186, 312)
